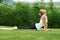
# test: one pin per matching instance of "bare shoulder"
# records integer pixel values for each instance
(43, 17)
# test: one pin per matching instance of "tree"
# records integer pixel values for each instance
(1, 1)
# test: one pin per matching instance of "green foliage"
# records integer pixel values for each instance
(6, 15)
(26, 14)
(1, 1)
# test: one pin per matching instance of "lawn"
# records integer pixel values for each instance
(27, 34)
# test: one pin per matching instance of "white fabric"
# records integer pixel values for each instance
(40, 24)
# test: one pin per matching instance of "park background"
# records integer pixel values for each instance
(25, 13)
(13, 13)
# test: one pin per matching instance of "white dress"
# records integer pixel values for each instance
(40, 24)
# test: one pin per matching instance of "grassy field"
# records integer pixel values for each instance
(29, 35)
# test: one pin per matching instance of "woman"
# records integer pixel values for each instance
(43, 20)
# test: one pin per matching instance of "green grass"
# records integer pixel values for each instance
(29, 35)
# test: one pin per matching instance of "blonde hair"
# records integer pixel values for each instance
(42, 12)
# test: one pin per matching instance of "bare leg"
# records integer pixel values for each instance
(45, 26)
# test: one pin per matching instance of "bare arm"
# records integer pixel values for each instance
(44, 22)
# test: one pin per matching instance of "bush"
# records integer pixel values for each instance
(6, 15)
(26, 14)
